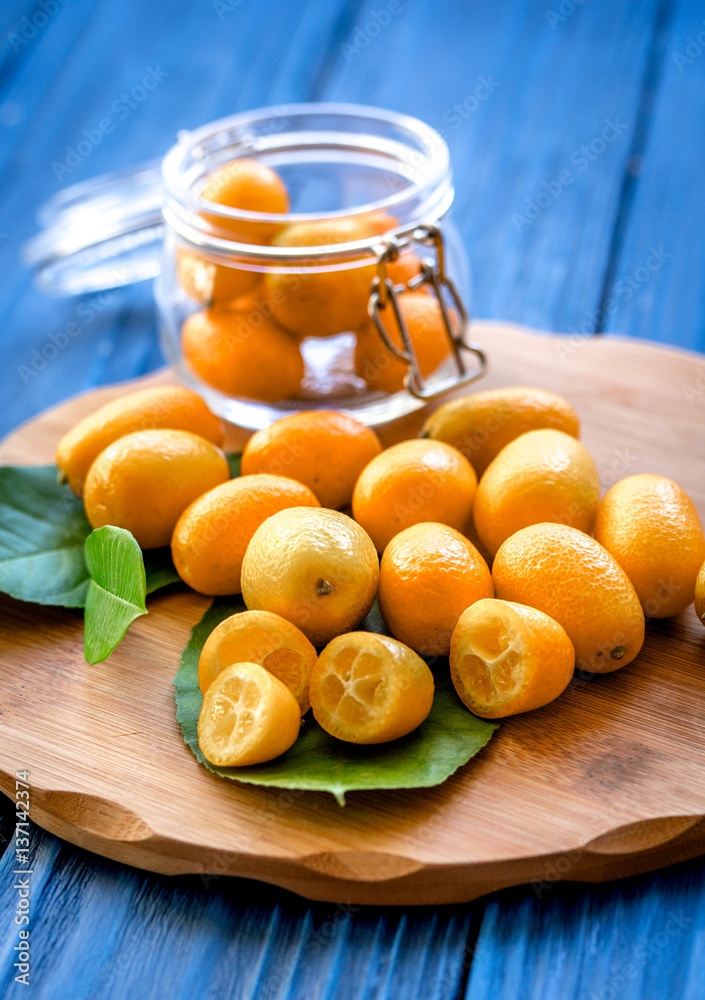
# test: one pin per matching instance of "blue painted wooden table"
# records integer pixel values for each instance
(576, 131)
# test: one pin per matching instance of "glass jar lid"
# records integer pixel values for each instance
(101, 233)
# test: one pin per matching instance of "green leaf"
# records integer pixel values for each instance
(448, 738)
(42, 531)
(116, 592)
(234, 459)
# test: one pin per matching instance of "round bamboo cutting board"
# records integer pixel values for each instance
(607, 781)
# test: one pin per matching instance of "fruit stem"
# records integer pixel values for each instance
(617, 653)
(323, 587)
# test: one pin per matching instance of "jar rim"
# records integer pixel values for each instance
(427, 198)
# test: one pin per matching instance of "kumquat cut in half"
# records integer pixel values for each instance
(264, 638)
(248, 716)
(368, 688)
(507, 658)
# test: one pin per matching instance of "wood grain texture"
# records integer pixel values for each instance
(608, 781)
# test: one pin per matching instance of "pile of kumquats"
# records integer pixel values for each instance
(496, 550)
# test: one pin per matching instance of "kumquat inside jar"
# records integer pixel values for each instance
(308, 262)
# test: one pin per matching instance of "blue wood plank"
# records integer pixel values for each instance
(215, 65)
(538, 187)
(99, 930)
(639, 939)
(657, 289)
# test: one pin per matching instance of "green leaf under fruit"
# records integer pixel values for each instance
(448, 738)
(43, 529)
(116, 591)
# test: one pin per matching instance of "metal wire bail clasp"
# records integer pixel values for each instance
(385, 295)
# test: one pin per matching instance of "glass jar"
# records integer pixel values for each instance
(255, 312)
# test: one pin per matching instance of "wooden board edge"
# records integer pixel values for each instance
(363, 877)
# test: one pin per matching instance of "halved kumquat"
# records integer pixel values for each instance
(368, 688)
(507, 658)
(248, 716)
(264, 638)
